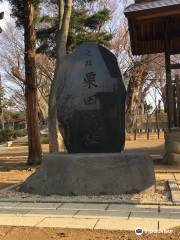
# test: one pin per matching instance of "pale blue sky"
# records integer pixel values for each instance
(5, 7)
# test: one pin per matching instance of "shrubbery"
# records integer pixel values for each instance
(6, 134)
(20, 133)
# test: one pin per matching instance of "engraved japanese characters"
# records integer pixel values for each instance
(90, 97)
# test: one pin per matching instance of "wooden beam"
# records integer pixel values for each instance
(132, 33)
(169, 87)
(175, 66)
(174, 105)
(177, 79)
(148, 37)
(150, 13)
(159, 14)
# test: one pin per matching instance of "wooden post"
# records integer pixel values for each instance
(147, 122)
(169, 90)
(177, 79)
(174, 106)
(158, 133)
(135, 134)
(148, 130)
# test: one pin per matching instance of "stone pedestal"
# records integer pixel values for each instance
(92, 174)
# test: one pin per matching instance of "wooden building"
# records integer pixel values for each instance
(154, 27)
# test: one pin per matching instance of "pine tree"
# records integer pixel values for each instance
(84, 26)
(26, 13)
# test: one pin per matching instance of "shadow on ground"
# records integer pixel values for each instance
(11, 164)
(15, 158)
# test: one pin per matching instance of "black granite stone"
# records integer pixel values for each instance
(90, 97)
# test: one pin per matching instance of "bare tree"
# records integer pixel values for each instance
(12, 55)
(140, 73)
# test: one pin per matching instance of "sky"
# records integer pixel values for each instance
(5, 7)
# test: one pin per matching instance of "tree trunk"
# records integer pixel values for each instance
(42, 105)
(35, 151)
(65, 8)
(137, 77)
(131, 105)
(1, 104)
(54, 145)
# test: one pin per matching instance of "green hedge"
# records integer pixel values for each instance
(6, 134)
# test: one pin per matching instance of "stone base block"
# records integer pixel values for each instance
(172, 158)
(173, 147)
(92, 174)
(172, 135)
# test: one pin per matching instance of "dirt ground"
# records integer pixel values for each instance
(13, 169)
(153, 146)
(15, 157)
(17, 233)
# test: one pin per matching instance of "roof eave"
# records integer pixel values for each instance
(154, 12)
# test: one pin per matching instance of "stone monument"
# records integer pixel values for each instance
(91, 110)
(91, 101)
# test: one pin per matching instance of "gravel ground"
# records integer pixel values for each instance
(13, 170)
(162, 193)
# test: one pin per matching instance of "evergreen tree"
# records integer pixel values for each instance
(18, 10)
(26, 13)
(84, 26)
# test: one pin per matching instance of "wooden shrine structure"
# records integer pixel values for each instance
(154, 27)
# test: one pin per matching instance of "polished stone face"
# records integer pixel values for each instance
(90, 98)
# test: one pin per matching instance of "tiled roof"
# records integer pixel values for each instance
(151, 5)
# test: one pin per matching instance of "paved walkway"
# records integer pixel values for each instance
(90, 216)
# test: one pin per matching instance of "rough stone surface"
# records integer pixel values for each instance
(90, 97)
(172, 158)
(92, 174)
(172, 135)
(172, 146)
